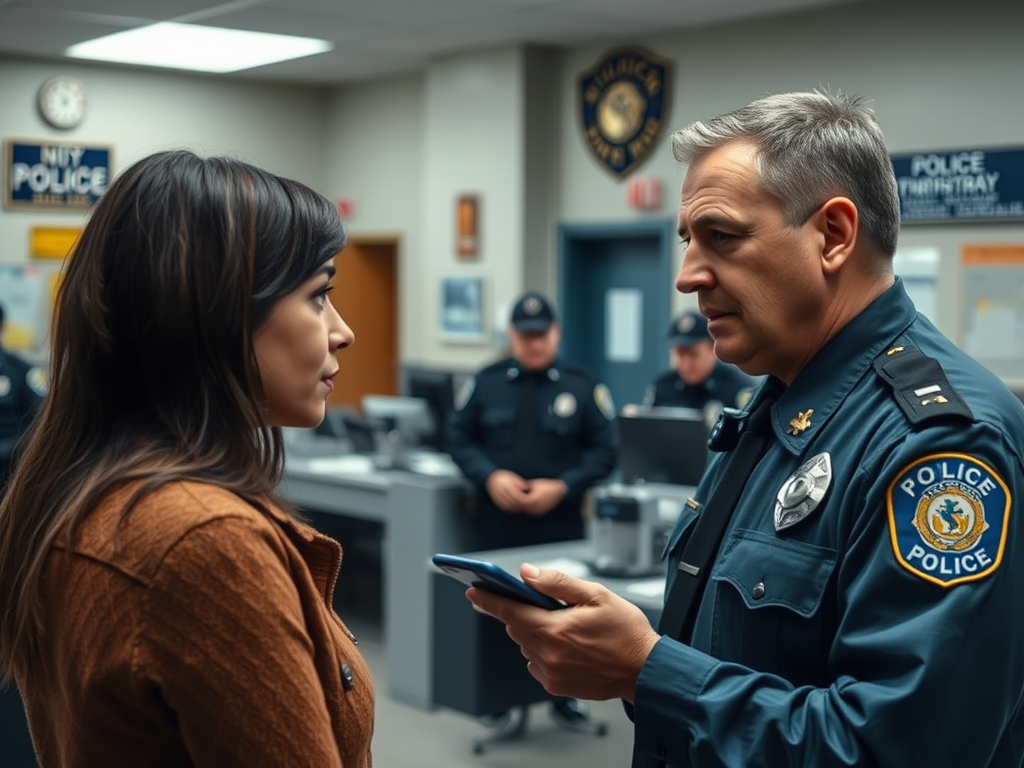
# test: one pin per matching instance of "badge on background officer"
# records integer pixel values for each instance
(698, 379)
(22, 389)
(532, 433)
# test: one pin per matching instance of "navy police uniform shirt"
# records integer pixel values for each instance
(727, 385)
(866, 607)
(22, 388)
(575, 440)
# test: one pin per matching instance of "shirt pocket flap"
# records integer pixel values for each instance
(497, 417)
(769, 571)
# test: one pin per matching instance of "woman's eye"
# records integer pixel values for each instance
(321, 296)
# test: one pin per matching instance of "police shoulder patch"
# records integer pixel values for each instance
(948, 518)
(465, 392)
(603, 398)
(744, 396)
(38, 381)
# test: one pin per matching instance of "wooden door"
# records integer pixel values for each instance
(366, 295)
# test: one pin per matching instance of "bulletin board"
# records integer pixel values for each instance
(27, 293)
(992, 281)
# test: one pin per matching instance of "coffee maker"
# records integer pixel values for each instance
(629, 526)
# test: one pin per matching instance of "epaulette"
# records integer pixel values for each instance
(920, 385)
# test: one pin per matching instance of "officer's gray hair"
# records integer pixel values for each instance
(810, 146)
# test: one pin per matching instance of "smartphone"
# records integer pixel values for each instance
(484, 575)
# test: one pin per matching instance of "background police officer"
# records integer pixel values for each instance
(698, 378)
(533, 433)
(22, 387)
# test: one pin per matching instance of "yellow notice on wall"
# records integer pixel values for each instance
(992, 283)
(52, 242)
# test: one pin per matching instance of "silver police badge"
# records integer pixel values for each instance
(803, 491)
(565, 405)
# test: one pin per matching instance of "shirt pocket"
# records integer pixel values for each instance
(562, 427)
(773, 610)
(498, 426)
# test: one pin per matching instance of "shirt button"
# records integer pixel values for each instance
(758, 591)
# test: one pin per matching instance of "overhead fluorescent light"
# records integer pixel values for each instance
(189, 46)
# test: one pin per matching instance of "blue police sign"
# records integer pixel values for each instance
(968, 184)
(623, 105)
(54, 175)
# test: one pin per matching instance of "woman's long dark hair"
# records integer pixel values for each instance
(153, 376)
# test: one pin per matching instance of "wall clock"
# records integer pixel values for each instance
(62, 101)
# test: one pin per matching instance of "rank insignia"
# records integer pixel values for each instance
(948, 517)
(623, 105)
(803, 491)
(801, 422)
(5, 386)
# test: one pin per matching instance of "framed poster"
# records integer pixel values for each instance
(462, 309)
(467, 226)
(992, 287)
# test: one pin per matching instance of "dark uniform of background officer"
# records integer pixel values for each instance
(22, 387)
(533, 433)
(864, 605)
(698, 378)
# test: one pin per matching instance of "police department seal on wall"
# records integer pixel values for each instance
(623, 105)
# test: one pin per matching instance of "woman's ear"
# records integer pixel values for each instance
(837, 221)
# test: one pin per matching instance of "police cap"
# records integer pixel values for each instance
(688, 329)
(532, 313)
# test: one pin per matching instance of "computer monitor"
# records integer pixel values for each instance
(438, 389)
(409, 415)
(662, 445)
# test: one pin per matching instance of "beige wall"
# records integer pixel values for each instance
(503, 123)
(139, 112)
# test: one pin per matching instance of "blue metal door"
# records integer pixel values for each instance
(615, 287)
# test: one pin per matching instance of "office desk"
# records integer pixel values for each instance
(420, 514)
(477, 668)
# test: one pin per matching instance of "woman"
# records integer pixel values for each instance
(161, 603)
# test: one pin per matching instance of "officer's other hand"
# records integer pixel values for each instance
(544, 495)
(592, 650)
(507, 490)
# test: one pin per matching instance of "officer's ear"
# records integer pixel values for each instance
(836, 221)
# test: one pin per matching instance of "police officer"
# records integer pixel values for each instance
(533, 433)
(22, 388)
(863, 606)
(698, 379)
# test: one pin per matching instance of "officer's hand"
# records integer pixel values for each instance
(592, 650)
(507, 490)
(544, 495)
